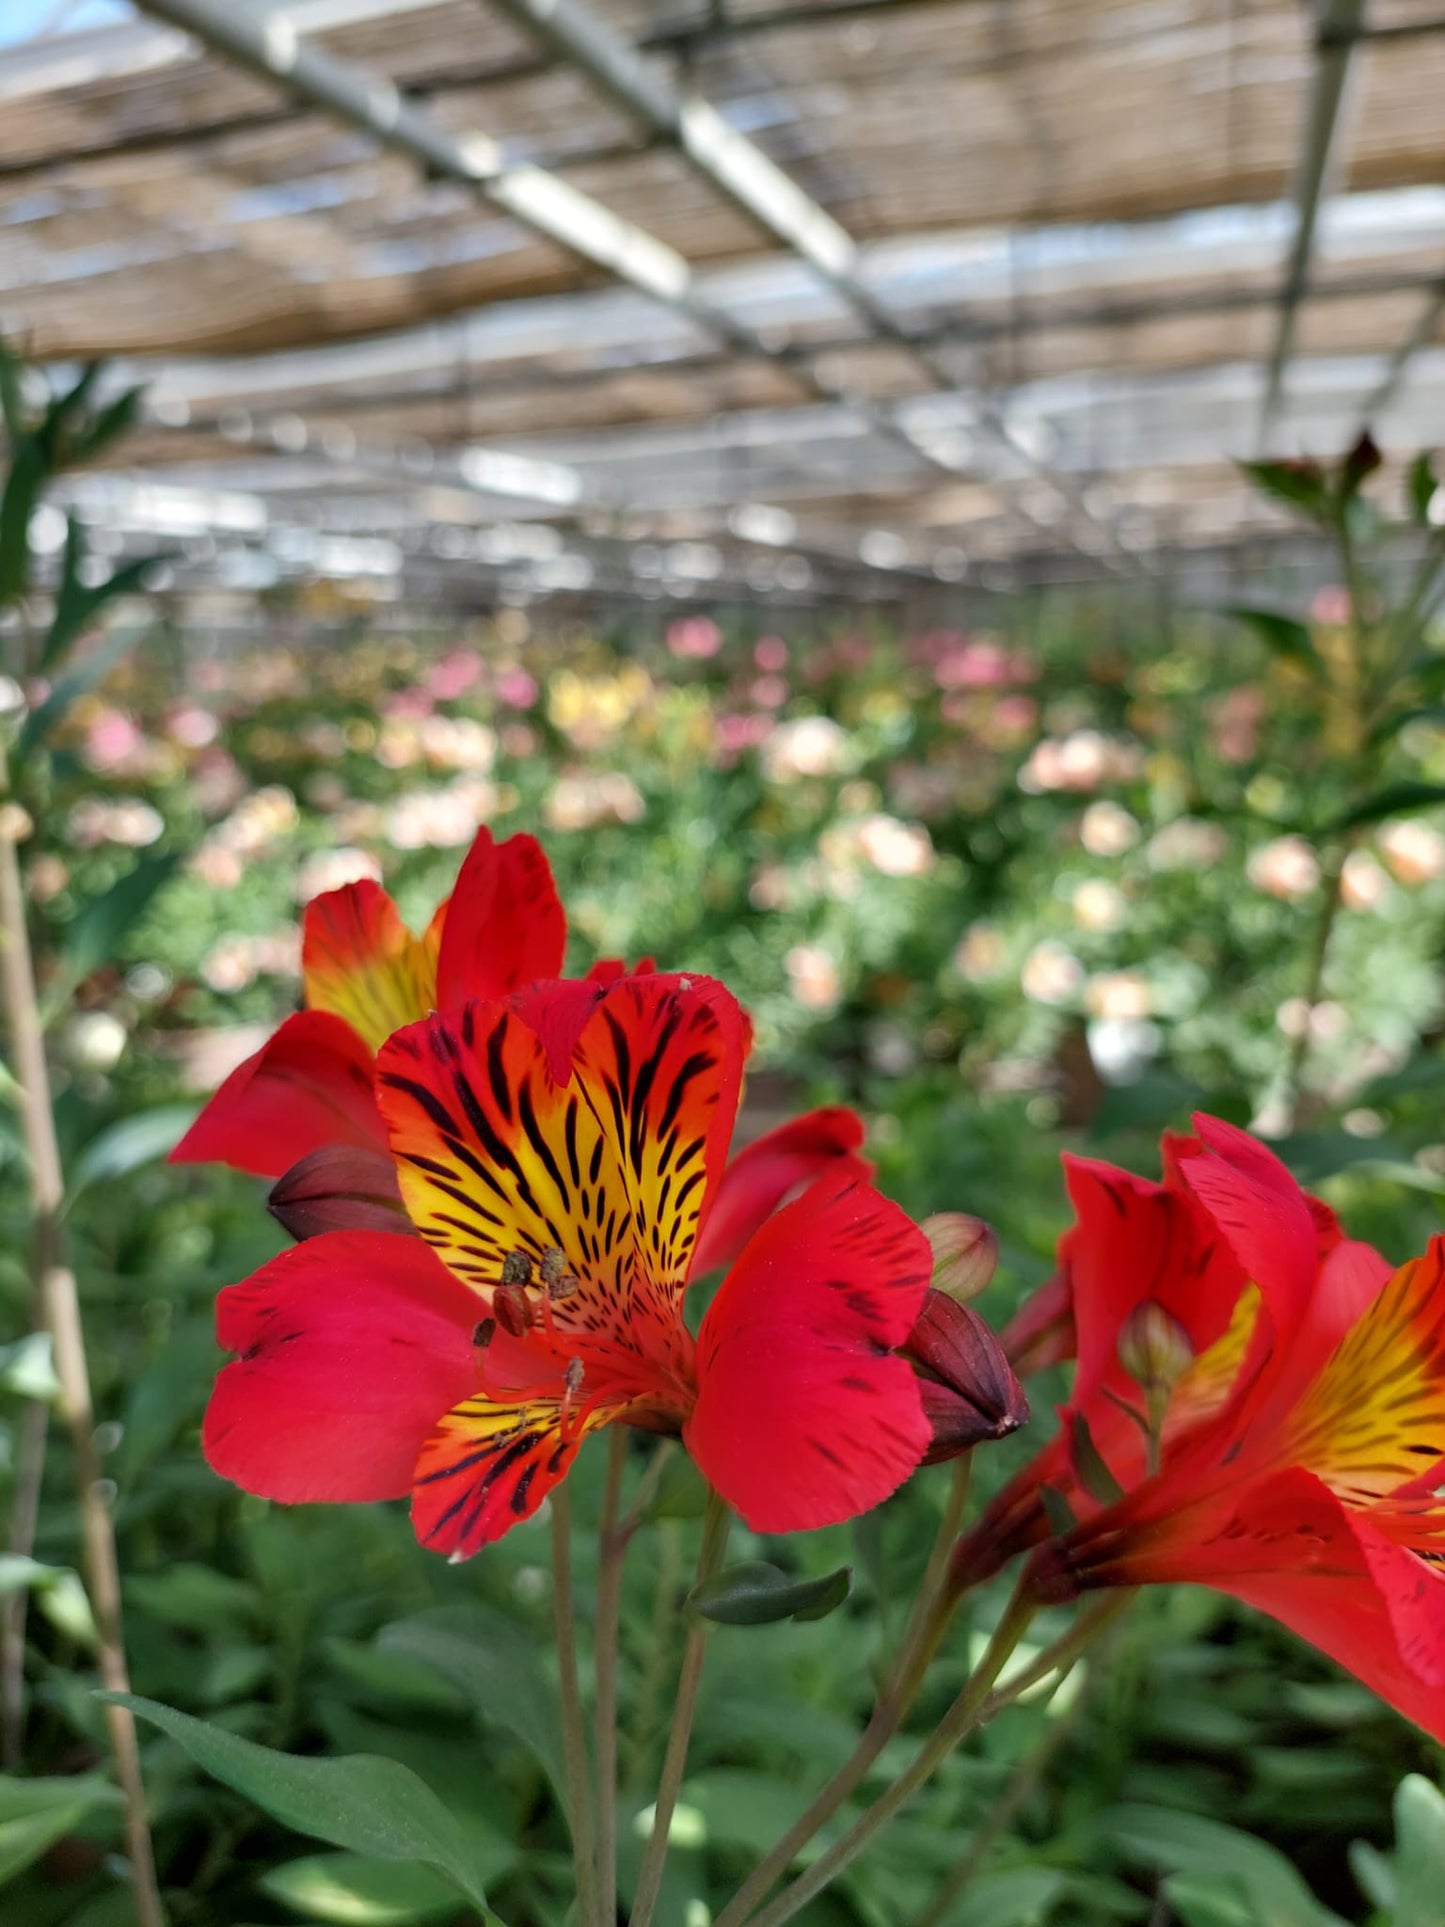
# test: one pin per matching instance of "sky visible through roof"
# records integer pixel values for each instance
(24, 19)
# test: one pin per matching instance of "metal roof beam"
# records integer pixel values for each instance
(739, 169)
(1340, 26)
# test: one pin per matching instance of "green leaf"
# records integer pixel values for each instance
(1420, 486)
(681, 1491)
(360, 1891)
(129, 1143)
(12, 396)
(17, 504)
(1286, 635)
(1094, 1475)
(1393, 801)
(1186, 1843)
(1012, 1897)
(1420, 1854)
(27, 1367)
(95, 668)
(364, 1803)
(757, 1594)
(34, 1814)
(97, 933)
(58, 1593)
(1302, 485)
(76, 605)
(105, 426)
(493, 1664)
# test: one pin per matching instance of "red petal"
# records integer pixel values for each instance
(361, 962)
(504, 926)
(1262, 1212)
(1374, 1607)
(803, 1415)
(309, 1085)
(489, 1465)
(352, 1346)
(759, 1178)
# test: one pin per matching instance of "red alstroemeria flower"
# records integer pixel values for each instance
(312, 1085)
(561, 1160)
(1300, 1416)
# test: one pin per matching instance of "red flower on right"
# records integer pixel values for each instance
(1259, 1408)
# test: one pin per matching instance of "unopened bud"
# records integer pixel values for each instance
(1041, 1332)
(1154, 1347)
(965, 1253)
(512, 1310)
(967, 1385)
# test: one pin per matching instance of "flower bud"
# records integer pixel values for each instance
(341, 1187)
(967, 1385)
(965, 1252)
(1041, 1332)
(1154, 1347)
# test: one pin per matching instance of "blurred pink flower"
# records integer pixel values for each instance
(694, 638)
(770, 653)
(770, 692)
(1330, 605)
(517, 689)
(458, 671)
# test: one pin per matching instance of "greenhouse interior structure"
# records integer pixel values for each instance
(722, 722)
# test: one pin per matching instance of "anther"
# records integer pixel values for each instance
(575, 1376)
(512, 1310)
(517, 1268)
(484, 1333)
(552, 1265)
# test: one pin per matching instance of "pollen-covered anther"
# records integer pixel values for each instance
(1154, 1348)
(512, 1310)
(574, 1377)
(483, 1333)
(517, 1268)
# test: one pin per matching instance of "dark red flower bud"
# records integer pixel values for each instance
(968, 1387)
(1041, 1332)
(341, 1187)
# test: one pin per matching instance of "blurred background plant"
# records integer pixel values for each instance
(1047, 881)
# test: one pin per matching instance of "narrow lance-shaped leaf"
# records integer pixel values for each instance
(95, 668)
(363, 1802)
(756, 1593)
(97, 933)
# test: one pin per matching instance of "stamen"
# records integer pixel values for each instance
(553, 1264)
(513, 1310)
(575, 1375)
(517, 1268)
(484, 1333)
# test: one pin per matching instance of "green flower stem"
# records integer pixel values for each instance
(612, 1540)
(975, 1705)
(574, 1736)
(654, 1859)
(929, 1621)
(60, 1309)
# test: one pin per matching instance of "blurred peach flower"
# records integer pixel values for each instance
(1119, 994)
(1286, 867)
(1413, 851)
(806, 746)
(1051, 974)
(1187, 844)
(813, 977)
(584, 799)
(1107, 829)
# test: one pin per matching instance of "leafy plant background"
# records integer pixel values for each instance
(1045, 883)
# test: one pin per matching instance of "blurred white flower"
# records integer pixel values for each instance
(94, 1040)
(895, 849)
(1107, 829)
(813, 977)
(1123, 1047)
(1414, 851)
(806, 746)
(1286, 867)
(127, 821)
(1187, 844)
(1122, 995)
(333, 870)
(585, 799)
(980, 953)
(1363, 884)
(1051, 974)
(1080, 762)
(440, 819)
(1099, 906)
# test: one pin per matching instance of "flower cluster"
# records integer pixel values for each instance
(502, 1183)
(1258, 1406)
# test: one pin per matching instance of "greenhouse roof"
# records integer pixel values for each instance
(896, 287)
